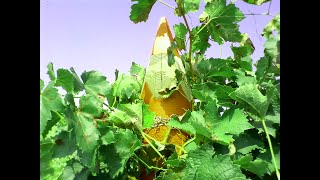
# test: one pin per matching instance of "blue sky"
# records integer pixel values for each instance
(98, 34)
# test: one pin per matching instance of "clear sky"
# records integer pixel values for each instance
(98, 34)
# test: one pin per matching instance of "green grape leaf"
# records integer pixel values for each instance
(175, 163)
(71, 171)
(51, 72)
(222, 21)
(174, 160)
(273, 25)
(86, 133)
(77, 83)
(223, 92)
(170, 52)
(137, 71)
(126, 87)
(65, 145)
(232, 122)
(191, 146)
(245, 49)
(83, 174)
(243, 79)
(91, 104)
(191, 5)
(184, 124)
(275, 118)
(127, 115)
(65, 80)
(169, 175)
(41, 85)
(192, 122)
(198, 122)
(55, 118)
(256, 2)
(272, 48)
(246, 63)
(117, 154)
(214, 67)
(180, 32)
(273, 113)
(200, 39)
(262, 67)
(257, 166)
(52, 168)
(89, 159)
(68, 174)
(247, 142)
(187, 6)
(50, 100)
(266, 156)
(266, 69)
(108, 138)
(148, 116)
(269, 124)
(46, 148)
(140, 11)
(95, 83)
(203, 164)
(206, 92)
(211, 113)
(249, 94)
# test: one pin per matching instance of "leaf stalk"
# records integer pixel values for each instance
(271, 149)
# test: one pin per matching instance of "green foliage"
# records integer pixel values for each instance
(185, 6)
(50, 100)
(256, 2)
(95, 129)
(203, 163)
(180, 31)
(257, 166)
(221, 21)
(200, 40)
(273, 25)
(140, 11)
(232, 122)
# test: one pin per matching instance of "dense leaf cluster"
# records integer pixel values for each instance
(93, 129)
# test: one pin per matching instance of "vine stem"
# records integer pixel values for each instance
(76, 97)
(190, 41)
(269, 7)
(100, 120)
(204, 26)
(271, 149)
(189, 141)
(144, 163)
(114, 101)
(150, 137)
(255, 24)
(262, 14)
(165, 139)
(152, 146)
(111, 108)
(164, 3)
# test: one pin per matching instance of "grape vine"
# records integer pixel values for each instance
(91, 128)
